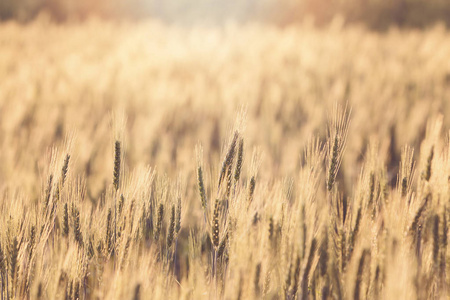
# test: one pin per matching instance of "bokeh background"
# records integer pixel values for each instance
(376, 14)
(180, 71)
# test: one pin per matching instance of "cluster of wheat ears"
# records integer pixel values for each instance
(309, 239)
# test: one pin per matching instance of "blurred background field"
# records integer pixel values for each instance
(179, 86)
(376, 14)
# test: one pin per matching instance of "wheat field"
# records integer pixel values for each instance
(140, 160)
